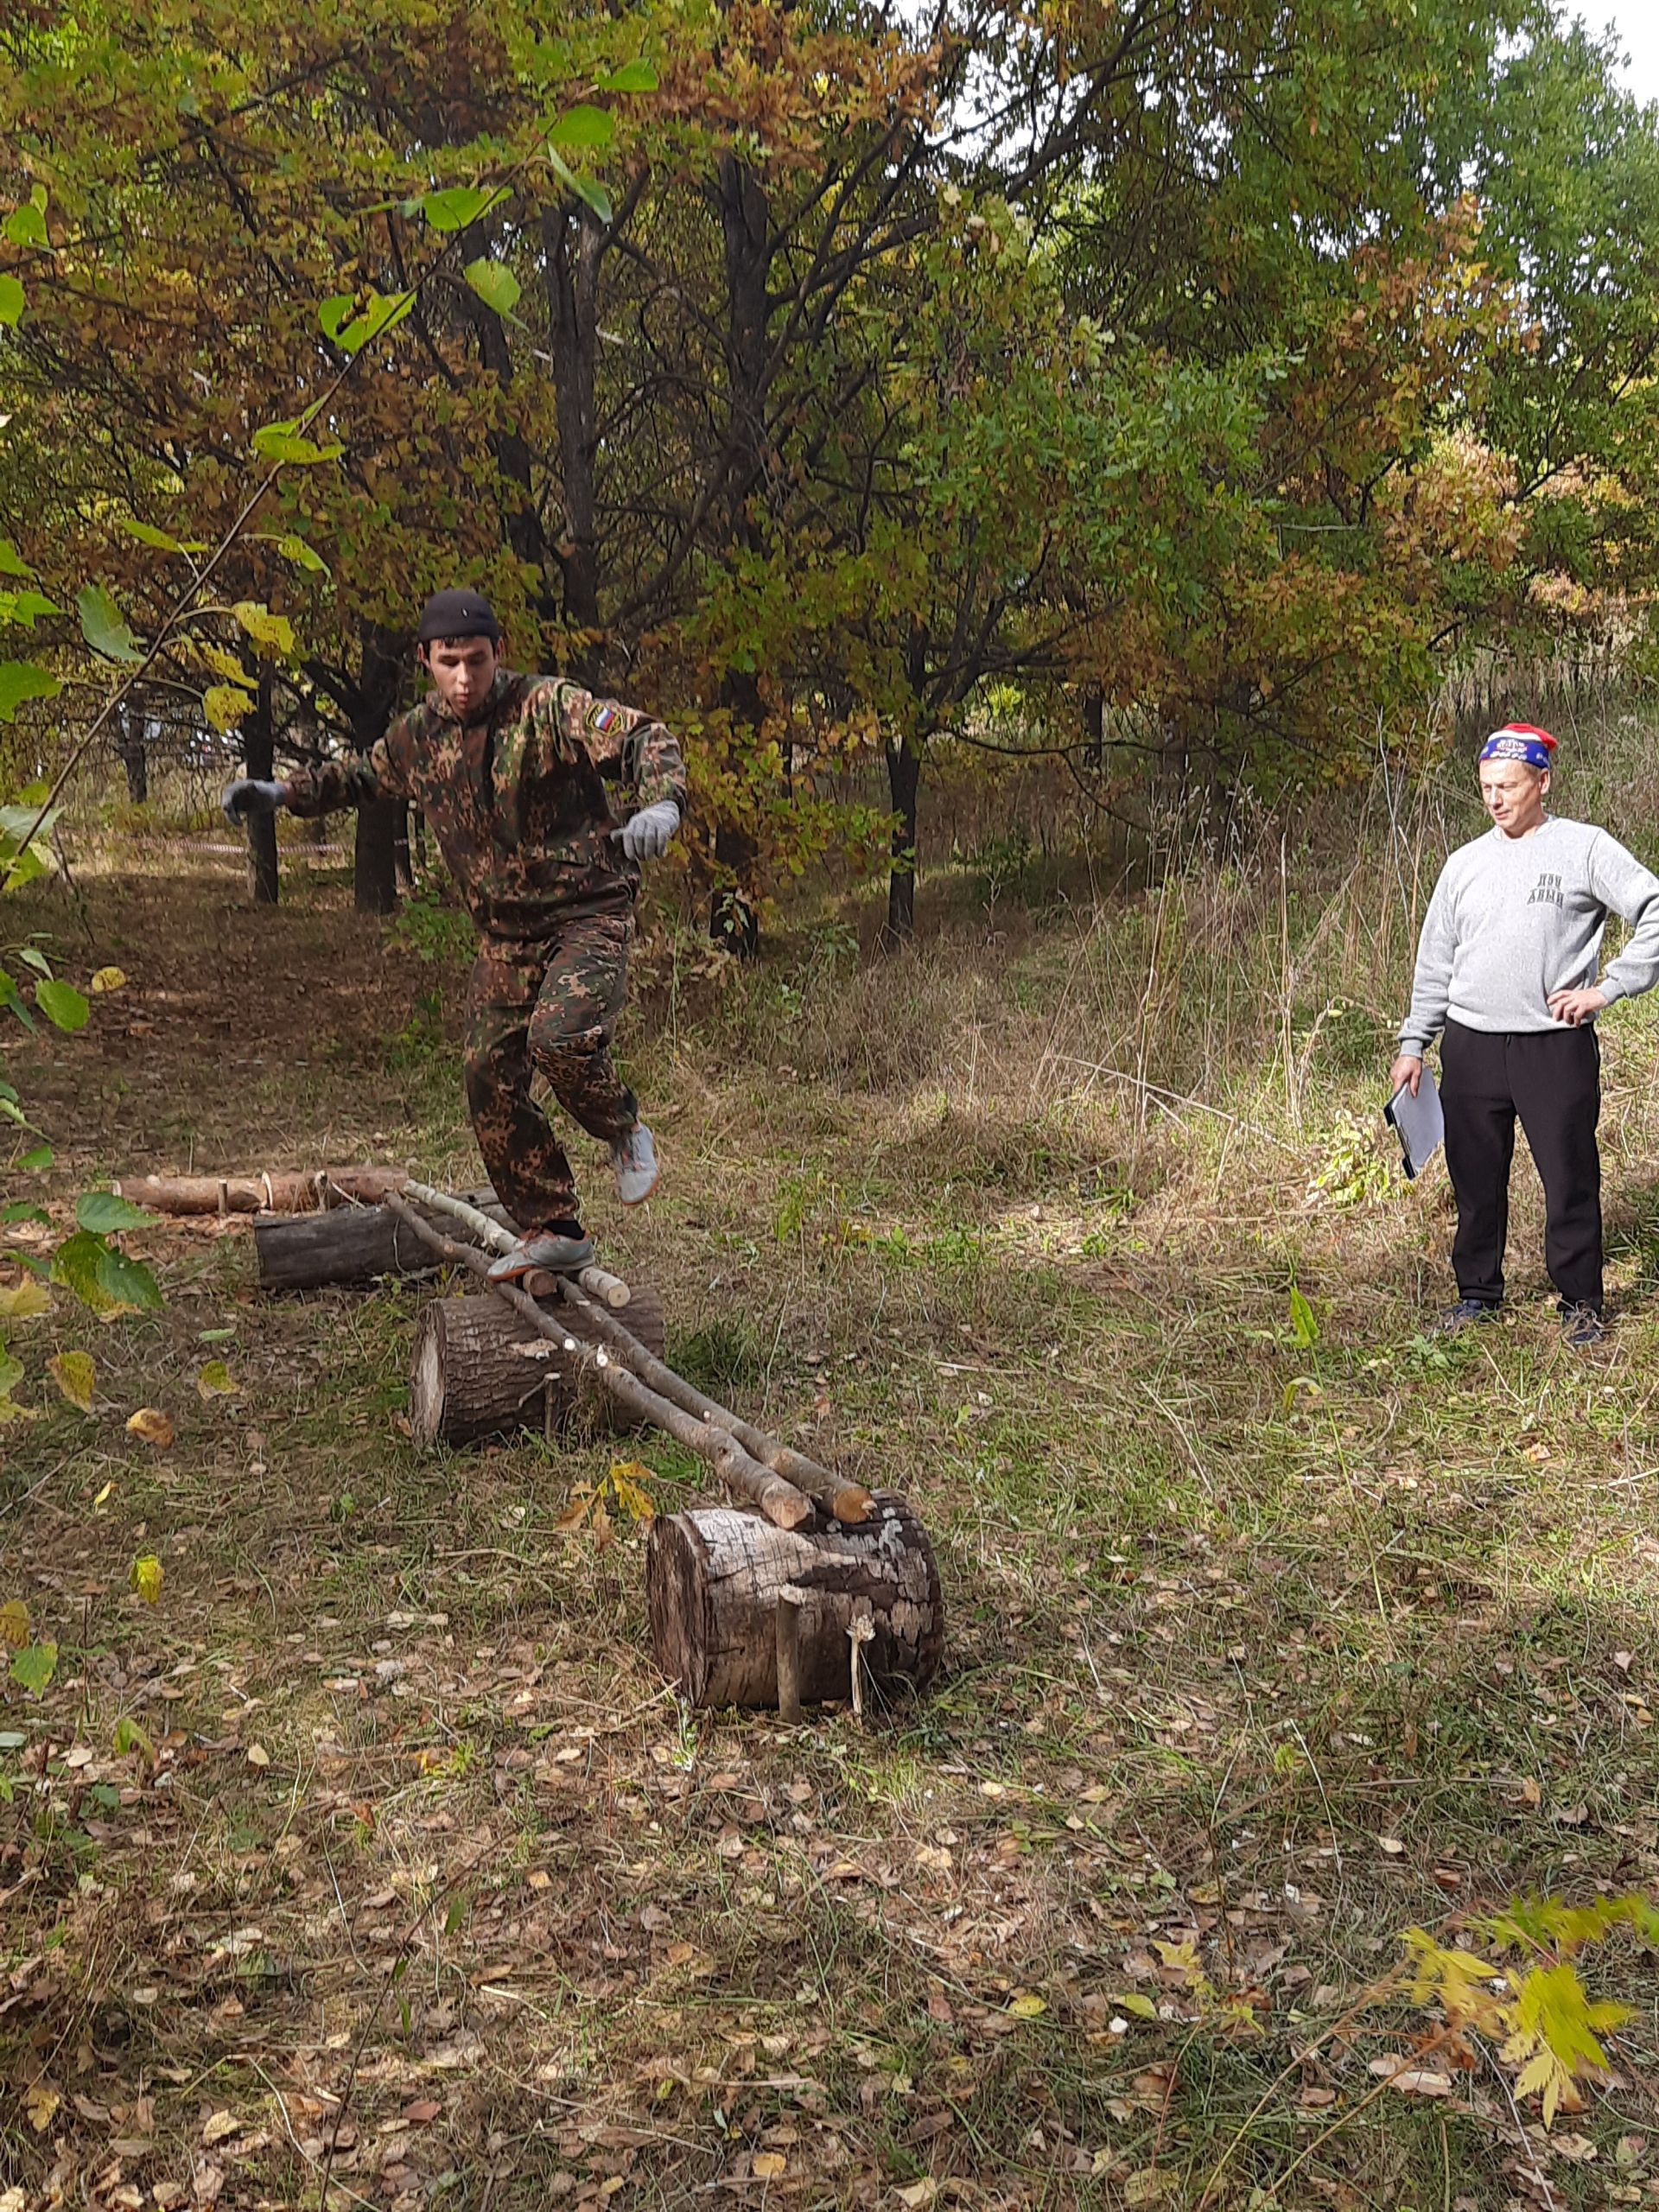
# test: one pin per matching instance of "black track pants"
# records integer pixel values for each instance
(1552, 1079)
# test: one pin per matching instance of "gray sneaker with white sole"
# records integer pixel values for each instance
(634, 1159)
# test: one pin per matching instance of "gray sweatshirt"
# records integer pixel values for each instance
(1514, 919)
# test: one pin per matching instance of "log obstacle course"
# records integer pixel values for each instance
(821, 1591)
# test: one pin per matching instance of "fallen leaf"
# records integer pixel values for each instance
(1391, 1844)
(219, 2125)
(1531, 1793)
(258, 1755)
(41, 2103)
(1411, 2080)
(1028, 2005)
(13, 1624)
(424, 2109)
(75, 1374)
(768, 2165)
(107, 979)
(214, 1380)
(22, 1301)
(919, 2194)
(146, 1577)
(151, 1426)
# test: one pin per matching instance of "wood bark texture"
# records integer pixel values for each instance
(479, 1370)
(286, 1190)
(713, 1584)
(352, 1244)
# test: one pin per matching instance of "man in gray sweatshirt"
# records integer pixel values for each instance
(1506, 969)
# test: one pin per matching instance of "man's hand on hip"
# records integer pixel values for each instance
(251, 795)
(645, 836)
(1407, 1070)
(1576, 1008)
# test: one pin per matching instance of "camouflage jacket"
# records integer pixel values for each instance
(517, 798)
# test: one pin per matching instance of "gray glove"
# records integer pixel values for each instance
(249, 795)
(645, 836)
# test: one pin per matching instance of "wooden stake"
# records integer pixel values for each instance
(790, 1602)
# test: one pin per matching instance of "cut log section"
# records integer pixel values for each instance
(479, 1370)
(715, 1581)
(282, 1192)
(349, 1244)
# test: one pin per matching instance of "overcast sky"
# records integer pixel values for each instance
(1636, 24)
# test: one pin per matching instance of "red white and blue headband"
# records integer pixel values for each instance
(1520, 742)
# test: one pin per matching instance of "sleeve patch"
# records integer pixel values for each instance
(601, 718)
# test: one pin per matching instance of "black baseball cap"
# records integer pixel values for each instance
(458, 614)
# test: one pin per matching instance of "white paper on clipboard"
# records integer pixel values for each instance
(1419, 1122)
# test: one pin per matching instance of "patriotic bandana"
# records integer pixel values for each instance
(1520, 742)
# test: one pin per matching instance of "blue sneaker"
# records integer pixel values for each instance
(1467, 1312)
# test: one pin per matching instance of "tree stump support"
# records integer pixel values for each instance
(479, 1370)
(722, 1626)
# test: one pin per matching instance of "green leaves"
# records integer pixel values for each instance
(283, 443)
(584, 126)
(26, 607)
(104, 628)
(103, 1211)
(26, 226)
(1304, 1326)
(63, 1006)
(147, 534)
(33, 1667)
(495, 284)
(12, 303)
(458, 205)
(105, 1282)
(24, 679)
(12, 562)
(631, 77)
(595, 196)
(352, 319)
(302, 556)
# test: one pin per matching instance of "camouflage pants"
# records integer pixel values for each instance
(548, 1009)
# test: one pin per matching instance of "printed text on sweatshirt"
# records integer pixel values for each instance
(1515, 918)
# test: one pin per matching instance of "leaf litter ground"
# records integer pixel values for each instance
(375, 1844)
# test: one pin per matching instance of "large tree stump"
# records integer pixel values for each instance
(348, 1244)
(715, 1581)
(480, 1371)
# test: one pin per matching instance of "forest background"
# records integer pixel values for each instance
(1178, 394)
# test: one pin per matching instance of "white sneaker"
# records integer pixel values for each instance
(634, 1160)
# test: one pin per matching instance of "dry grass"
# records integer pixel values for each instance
(1011, 1223)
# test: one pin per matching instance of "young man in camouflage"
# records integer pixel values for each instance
(511, 772)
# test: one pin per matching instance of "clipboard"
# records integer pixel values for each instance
(1419, 1122)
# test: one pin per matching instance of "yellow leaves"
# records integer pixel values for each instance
(768, 2165)
(146, 1577)
(41, 2104)
(151, 1426)
(22, 1301)
(223, 664)
(272, 634)
(1027, 2005)
(225, 705)
(74, 1373)
(215, 1381)
(108, 979)
(628, 1479)
(13, 1624)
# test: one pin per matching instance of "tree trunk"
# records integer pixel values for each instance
(1094, 726)
(715, 1579)
(133, 757)
(350, 1245)
(264, 883)
(374, 871)
(570, 255)
(904, 780)
(478, 1370)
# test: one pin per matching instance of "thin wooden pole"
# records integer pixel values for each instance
(783, 1505)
